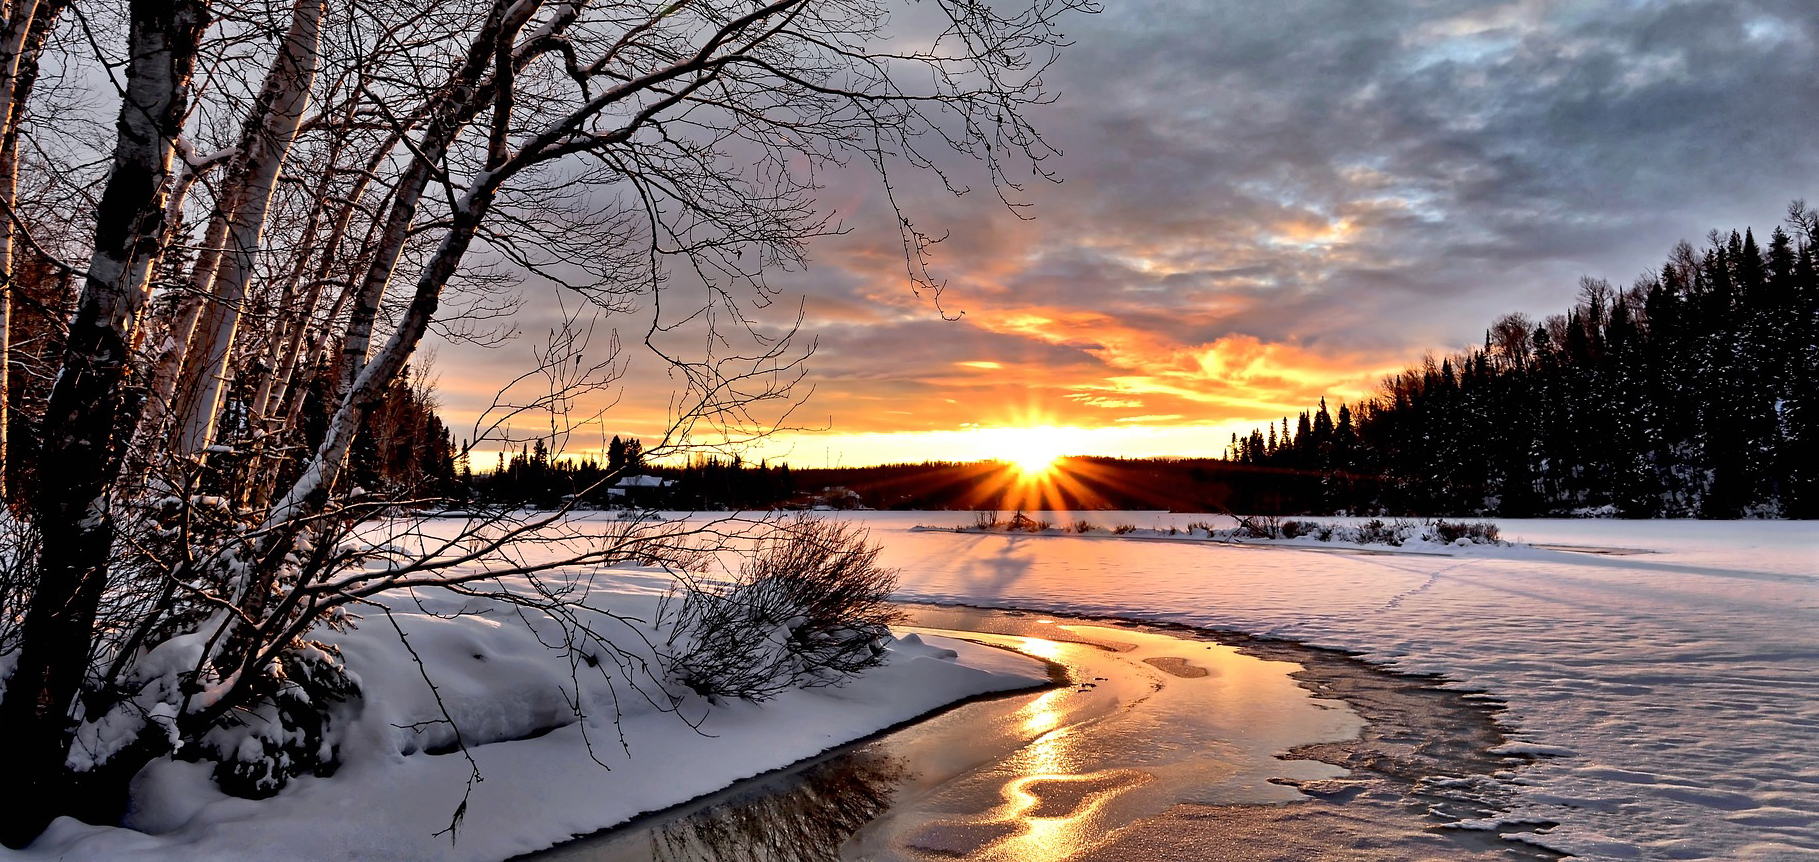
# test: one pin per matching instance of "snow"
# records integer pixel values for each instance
(1671, 697)
(500, 682)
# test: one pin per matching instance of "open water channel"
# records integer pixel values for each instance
(1152, 744)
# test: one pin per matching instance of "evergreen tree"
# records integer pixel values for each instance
(1691, 392)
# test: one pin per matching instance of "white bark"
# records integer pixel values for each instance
(17, 66)
(12, 40)
(449, 113)
(287, 90)
(166, 370)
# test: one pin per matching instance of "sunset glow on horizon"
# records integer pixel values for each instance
(1278, 221)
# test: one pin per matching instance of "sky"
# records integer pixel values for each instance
(1262, 206)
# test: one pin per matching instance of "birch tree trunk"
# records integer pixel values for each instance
(27, 24)
(286, 92)
(449, 113)
(168, 355)
(73, 513)
(162, 396)
(12, 42)
(362, 386)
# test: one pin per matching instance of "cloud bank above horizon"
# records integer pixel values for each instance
(1263, 209)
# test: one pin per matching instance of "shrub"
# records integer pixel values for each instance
(1375, 532)
(1265, 527)
(286, 732)
(1123, 529)
(807, 609)
(985, 520)
(1480, 532)
(1083, 526)
(1021, 523)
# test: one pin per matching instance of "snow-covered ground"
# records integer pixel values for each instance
(1677, 692)
(1673, 695)
(500, 680)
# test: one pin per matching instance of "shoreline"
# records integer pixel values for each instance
(1453, 735)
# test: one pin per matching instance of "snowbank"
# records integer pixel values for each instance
(546, 773)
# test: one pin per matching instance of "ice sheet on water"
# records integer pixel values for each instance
(1695, 665)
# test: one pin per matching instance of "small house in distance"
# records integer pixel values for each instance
(643, 491)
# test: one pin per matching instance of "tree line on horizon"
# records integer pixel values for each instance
(1689, 394)
(537, 476)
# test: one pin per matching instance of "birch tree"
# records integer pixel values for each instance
(26, 25)
(601, 146)
(73, 516)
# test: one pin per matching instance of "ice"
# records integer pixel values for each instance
(1693, 665)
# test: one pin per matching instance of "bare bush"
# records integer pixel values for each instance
(807, 609)
(1021, 523)
(1259, 527)
(1375, 532)
(1479, 532)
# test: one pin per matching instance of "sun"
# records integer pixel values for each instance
(1034, 464)
(1035, 451)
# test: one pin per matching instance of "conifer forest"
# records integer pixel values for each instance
(1689, 394)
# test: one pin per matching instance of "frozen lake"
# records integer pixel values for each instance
(1160, 744)
(1673, 695)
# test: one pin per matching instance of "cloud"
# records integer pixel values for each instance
(1260, 208)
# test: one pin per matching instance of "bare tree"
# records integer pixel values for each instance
(73, 516)
(26, 25)
(1509, 339)
(605, 147)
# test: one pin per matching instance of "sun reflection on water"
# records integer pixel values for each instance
(1041, 648)
(1042, 716)
(1055, 808)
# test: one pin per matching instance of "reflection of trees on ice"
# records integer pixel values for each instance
(808, 822)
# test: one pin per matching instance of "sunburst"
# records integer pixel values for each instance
(1037, 451)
